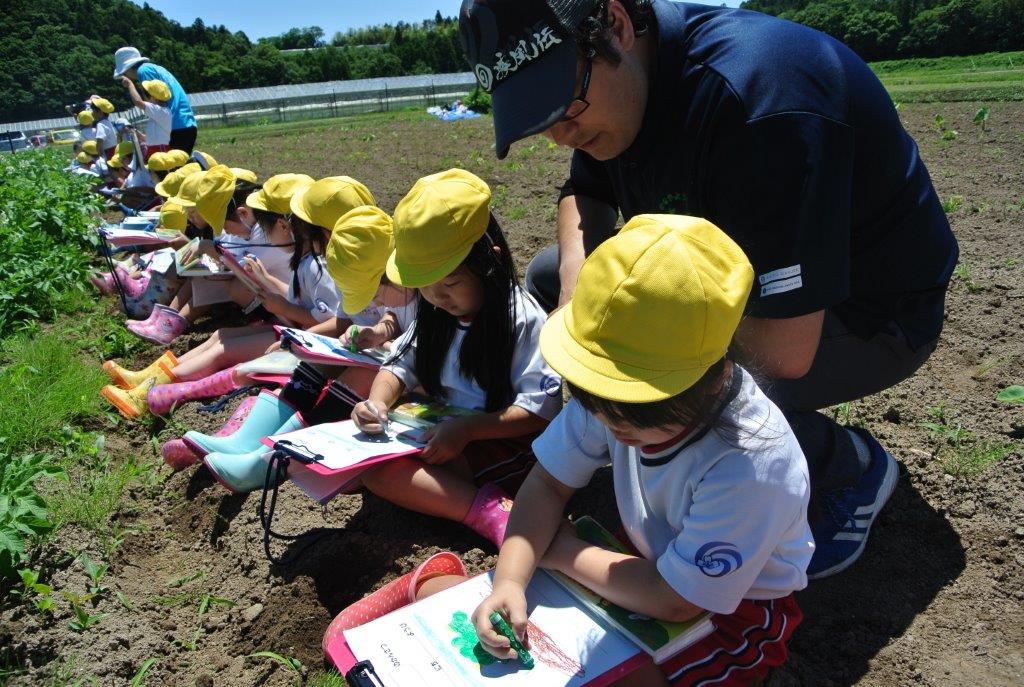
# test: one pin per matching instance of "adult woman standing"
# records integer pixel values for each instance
(130, 63)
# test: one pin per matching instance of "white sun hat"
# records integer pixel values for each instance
(126, 58)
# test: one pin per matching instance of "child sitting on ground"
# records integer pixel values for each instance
(711, 484)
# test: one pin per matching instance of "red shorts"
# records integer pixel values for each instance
(505, 462)
(745, 645)
(156, 149)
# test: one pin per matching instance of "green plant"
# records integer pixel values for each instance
(1011, 394)
(23, 512)
(981, 117)
(40, 594)
(478, 100)
(940, 123)
(95, 573)
(963, 271)
(289, 662)
(83, 620)
(969, 459)
(949, 135)
(140, 675)
(952, 204)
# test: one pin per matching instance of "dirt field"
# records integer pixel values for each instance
(936, 599)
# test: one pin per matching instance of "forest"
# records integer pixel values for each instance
(56, 51)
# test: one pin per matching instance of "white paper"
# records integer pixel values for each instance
(342, 444)
(432, 642)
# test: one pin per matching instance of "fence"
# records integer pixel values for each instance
(298, 101)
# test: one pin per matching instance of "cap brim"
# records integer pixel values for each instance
(297, 208)
(602, 376)
(535, 99)
(254, 201)
(161, 190)
(418, 276)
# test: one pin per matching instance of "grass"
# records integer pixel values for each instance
(970, 459)
(988, 77)
(46, 385)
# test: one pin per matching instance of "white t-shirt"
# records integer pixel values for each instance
(537, 387)
(317, 292)
(158, 128)
(276, 260)
(87, 133)
(106, 135)
(722, 511)
(405, 314)
(140, 177)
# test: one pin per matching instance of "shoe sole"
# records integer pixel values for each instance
(126, 410)
(892, 475)
(195, 447)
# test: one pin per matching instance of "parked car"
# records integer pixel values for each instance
(38, 141)
(13, 142)
(64, 137)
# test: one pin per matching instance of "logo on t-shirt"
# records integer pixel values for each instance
(717, 558)
(322, 306)
(551, 385)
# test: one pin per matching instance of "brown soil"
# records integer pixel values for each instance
(936, 598)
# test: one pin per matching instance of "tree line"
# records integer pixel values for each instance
(57, 51)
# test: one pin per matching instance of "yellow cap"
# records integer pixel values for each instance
(85, 118)
(323, 202)
(102, 104)
(654, 308)
(216, 187)
(91, 147)
(172, 182)
(436, 225)
(83, 157)
(115, 162)
(165, 161)
(125, 148)
(243, 174)
(276, 194)
(157, 89)
(173, 216)
(188, 190)
(358, 250)
(210, 162)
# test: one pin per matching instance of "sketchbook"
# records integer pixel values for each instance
(327, 350)
(659, 638)
(238, 269)
(118, 236)
(433, 642)
(197, 265)
(329, 457)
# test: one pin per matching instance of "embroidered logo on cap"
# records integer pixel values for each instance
(531, 44)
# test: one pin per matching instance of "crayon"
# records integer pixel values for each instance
(502, 627)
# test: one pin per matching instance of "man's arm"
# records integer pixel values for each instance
(580, 219)
(779, 348)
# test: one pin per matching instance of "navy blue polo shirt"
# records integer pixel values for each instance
(786, 140)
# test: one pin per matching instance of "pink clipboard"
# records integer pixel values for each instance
(340, 655)
(333, 472)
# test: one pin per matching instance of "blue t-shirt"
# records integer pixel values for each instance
(787, 141)
(181, 109)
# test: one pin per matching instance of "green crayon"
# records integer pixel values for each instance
(504, 628)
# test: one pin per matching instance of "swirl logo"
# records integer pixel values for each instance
(484, 76)
(717, 558)
(551, 385)
(321, 305)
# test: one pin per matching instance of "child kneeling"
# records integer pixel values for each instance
(710, 482)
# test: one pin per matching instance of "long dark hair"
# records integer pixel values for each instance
(309, 238)
(489, 344)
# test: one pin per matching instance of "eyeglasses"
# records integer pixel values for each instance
(579, 104)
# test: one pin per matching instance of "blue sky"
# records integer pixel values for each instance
(259, 18)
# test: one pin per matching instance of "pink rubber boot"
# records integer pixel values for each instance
(392, 596)
(488, 516)
(162, 328)
(179, 455)
(104, 282)
(164, 397)
(132, 287)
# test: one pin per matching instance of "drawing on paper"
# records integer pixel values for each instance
(542, 647)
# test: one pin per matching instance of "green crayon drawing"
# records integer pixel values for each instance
(466, 641)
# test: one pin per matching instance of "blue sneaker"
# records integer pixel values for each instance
(842, 532)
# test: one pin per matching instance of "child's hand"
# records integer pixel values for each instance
(252, 265)
(367, 337)
(276, 346)
(368, 418)
(508, 599)
(178, 241)
(126, 82)
(445, 441)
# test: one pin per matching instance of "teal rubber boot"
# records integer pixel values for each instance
(267, 414)
(241, 473)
